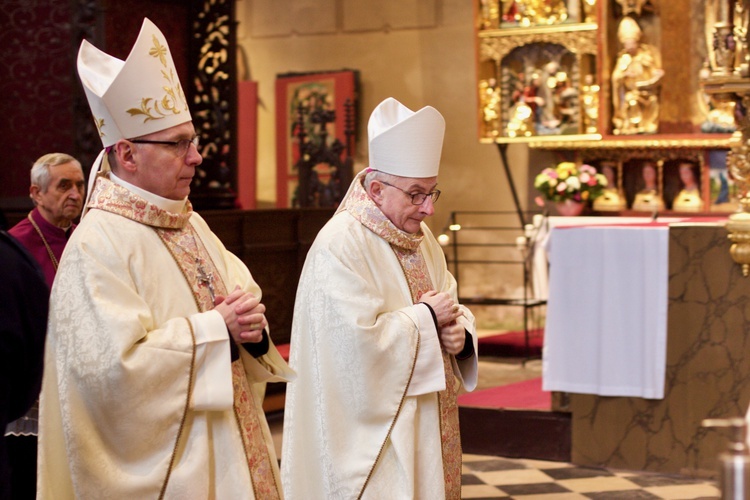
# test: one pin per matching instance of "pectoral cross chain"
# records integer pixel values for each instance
(205, 279)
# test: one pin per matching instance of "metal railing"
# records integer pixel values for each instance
(494, 243)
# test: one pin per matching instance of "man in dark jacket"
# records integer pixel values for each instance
(24, 299)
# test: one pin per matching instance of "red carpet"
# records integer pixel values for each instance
(526, 395)
(283, 351)
(512, 344)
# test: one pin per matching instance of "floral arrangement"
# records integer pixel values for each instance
(568, 181)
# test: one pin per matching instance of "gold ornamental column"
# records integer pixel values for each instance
(738, 162)
(728, 81)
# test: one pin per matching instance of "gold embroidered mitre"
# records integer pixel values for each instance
(137, 96)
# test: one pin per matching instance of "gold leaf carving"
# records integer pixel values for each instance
(497, 44)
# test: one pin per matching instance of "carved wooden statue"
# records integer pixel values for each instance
(635, 83)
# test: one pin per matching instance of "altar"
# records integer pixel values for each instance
(612, 280)
(647, 334)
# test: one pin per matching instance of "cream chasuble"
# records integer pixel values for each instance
(139, 398)
(360, 420)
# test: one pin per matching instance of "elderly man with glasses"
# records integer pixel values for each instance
(158, 343)
(379, 342)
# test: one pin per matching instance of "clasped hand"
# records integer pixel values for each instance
(451, 334)
(243, 314)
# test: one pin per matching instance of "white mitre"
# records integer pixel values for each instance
(404, 142)
(131, 98)
(137, 96)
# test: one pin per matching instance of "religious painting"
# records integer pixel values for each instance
(643, 183)
(724, 192)
(683, 185)
(316, 118)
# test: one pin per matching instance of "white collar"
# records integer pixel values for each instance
(174, 206)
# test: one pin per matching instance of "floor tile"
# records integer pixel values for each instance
(598, 484)
(470, 479)
(487, 477)
(533, 489)
(517, 476)
(685, 492)
(552, 496)
(541, 464)
(495, 464)
(577, 473)
(623, 495)
(649, 480)
(479, 491)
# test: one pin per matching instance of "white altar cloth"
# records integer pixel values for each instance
(607, 312)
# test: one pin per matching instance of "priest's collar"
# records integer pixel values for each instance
(358, 203)
(117, 196)
(175, 206)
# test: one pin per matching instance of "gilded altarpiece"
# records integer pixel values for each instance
(677, 121)
(610, 82)
(533, 81)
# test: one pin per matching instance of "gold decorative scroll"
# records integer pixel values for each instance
(496, 47)
(720, 142)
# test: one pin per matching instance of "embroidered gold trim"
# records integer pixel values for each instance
(259, 470)
(417, 276)
(244, 448)
(257, 457)
(155, 108)
(406, 248)
(113, 198)
(99, 122)
(191, 375)
(393, 422)
(181, 429)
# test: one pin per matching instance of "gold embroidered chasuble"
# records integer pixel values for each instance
(185, 247)
(406, 248)
(150, 425)
(355, 340)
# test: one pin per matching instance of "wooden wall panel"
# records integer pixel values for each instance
(273, 244)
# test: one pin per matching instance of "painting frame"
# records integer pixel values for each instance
(292, 89)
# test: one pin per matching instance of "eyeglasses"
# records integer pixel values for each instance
(181, 146)
(417, 198)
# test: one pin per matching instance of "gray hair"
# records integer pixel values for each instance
(376, 175)
(114, 164)
(40, 174)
